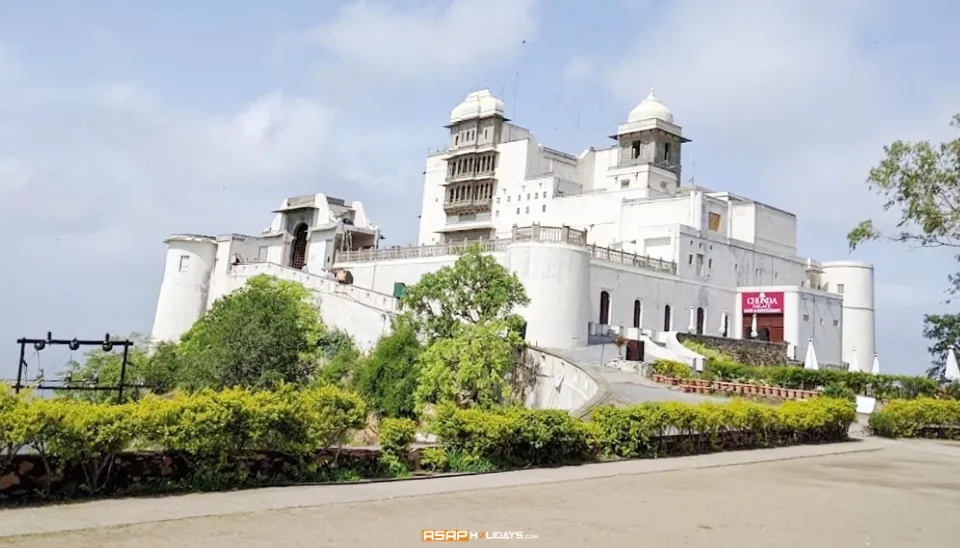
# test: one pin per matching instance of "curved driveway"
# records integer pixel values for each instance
(626, 386)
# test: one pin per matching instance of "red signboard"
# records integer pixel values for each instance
(762, 303)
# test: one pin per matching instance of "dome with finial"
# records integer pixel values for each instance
(651, 108)
(478, 104)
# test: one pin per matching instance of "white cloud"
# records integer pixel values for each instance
(785, 94)
(377, 40)
(579, 68)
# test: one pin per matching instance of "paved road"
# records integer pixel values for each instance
(627, 387)
(887, 494)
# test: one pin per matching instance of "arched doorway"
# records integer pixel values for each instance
(763, 334)
(637, 313)
(667, 318)
(604, 308)
(726, 325)
(701, 318)
(298, 252)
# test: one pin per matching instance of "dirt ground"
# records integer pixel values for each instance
(904, 495)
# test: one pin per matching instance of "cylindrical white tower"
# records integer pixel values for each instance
(186, 281)
(557, 279)
(854, 280)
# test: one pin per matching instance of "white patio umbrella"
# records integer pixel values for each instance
(753, 327)
(810, 362)
(952, 372)
(693, 321)
(876, 365)
(854, 362)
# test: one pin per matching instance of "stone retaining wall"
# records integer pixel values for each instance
(745, 351)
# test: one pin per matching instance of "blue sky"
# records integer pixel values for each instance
(121, 122)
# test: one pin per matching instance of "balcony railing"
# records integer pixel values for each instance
(467, 176)
(536, 233)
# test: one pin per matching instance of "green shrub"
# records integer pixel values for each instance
(644, 430)
(395, 437)
(882, 387)
(839, 391)
(671, 368)
(214, 431)
(922, 417)
(434, 459)
(513, 437)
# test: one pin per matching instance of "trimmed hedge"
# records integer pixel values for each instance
(516, 438)
(919, 418)
(884, 387)
(217, 434)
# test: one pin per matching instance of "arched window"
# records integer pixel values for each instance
(763, 334)
(298, 252)
(701, 318)
(667, 318)
(637, 313)
(604, 308)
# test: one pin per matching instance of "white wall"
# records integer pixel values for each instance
(556, 277)
(559, 383)
(859, 315)
(185, 286)
(363, 313)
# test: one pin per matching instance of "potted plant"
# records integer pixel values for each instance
(620, 341)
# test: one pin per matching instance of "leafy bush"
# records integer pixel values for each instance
(216, 432)
(883, 387)
(839, 391)
(646, 430)
(922, 417)
(671, 368)
(513, 437)
(389, 377)
(395, 437)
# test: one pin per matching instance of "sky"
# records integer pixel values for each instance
(122, 122)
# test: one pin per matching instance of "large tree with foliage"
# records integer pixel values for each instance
(157, 372)
(264, 333)
(921, 181)
(389, 376)
(474, 290)
(469, 369)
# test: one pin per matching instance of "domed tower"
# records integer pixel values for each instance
(649, 148)
(854, 280)
(475, 127)
(186, 282)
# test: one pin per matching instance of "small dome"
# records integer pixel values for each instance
(478, 104)
(651, 107)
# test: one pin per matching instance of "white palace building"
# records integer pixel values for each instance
(609, 240)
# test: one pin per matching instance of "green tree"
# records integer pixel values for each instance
(943, 330)
(262, 334)
(157, 372)
(389, 377)
(469, 369)
(921, 181)
(340, 358)
(473, 290)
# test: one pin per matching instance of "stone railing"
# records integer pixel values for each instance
(535, 233)
(420, 252)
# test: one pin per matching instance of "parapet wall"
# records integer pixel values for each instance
(745, 351)
(547, 381)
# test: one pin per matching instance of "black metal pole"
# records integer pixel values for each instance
(23, 350)
(123, 372)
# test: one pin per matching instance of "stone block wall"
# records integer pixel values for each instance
(24, 478)
(745, 351)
